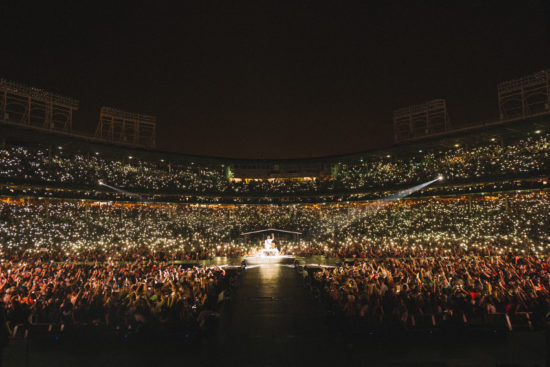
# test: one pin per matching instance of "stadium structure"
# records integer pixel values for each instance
(448, 228)
(41, 122)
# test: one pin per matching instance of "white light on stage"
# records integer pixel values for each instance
(268, 255)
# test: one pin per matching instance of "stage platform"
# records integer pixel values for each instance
(278, 259)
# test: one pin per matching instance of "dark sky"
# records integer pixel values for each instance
(273, 79)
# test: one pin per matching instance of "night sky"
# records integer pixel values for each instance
(279, 79)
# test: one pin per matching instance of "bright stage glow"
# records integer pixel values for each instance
(268, 252)
(277, 259)
(440, 177)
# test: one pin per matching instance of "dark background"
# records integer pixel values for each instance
(273, 79)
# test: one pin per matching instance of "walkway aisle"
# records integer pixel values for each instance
(271, 321)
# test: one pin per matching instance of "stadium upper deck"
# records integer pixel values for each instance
(493, 157)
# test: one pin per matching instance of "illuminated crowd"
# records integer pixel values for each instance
(59, 229)
(76, 260)
(120, 296)
(67, 168)
(439, 291)
(459, 164)
(442, 256)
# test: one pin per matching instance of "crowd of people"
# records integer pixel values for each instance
(72, 260)
(438, 291)
(86, 230)
(128, 297)
(81, 262)
(68, 168)
(26, 190)
(458, 164)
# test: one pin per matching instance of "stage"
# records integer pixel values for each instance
(272, 259)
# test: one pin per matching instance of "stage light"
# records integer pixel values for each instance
(537, 131)
(440, 177)
(407, 192)
(100, 182)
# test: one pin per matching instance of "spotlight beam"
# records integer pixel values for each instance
(101, 183)
(385, 201)
(404, 193)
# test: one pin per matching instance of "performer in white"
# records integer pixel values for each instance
(267, 243)
(268, 254)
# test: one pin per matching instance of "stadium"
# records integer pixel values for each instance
(431, 250)
(449, 229)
